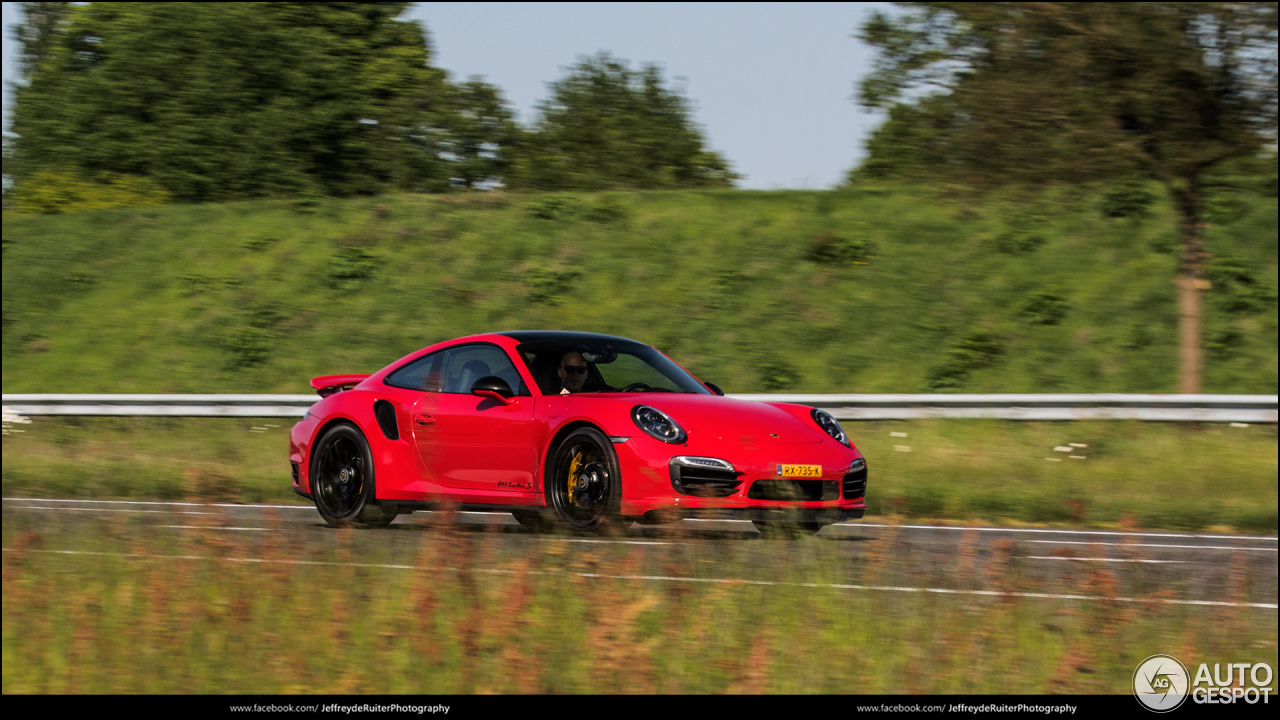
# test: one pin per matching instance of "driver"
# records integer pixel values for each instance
(572, 372)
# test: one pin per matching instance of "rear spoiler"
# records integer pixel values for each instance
(327, 385)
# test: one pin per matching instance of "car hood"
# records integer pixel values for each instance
(721, 418)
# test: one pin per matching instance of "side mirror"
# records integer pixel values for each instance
(493, 387)
(715, 388)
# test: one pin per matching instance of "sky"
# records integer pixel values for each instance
(771, 84)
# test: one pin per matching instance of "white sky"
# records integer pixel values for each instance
(771, 83)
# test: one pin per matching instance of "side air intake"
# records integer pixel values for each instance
(386, 414)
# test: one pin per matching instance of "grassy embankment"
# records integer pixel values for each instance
(245, 612)
(1159, 475)
(893, 290)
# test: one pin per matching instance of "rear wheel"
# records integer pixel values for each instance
(788, 528)
(342, 480)
(584, 484)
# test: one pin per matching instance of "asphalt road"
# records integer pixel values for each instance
(1054, 564)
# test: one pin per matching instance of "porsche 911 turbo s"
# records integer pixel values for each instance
(574, 429)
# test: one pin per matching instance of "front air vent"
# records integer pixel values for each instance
(386, 414)
(855, 483)
(702, 479)
(794, 490)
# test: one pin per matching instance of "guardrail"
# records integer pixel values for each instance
(1102, 406)
(1193, 408)
(161, 405)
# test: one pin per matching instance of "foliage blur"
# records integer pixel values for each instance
(885, 289)
(211, 102)
(185, 604)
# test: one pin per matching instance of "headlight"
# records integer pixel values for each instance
(859, 464)
(830, 426)
(657, 424)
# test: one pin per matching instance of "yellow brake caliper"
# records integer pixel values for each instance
(573, 474)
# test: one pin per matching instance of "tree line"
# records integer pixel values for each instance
(199, 102)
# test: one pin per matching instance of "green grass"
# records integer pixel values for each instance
(1160, 475)
(464, 619)
(754, 291)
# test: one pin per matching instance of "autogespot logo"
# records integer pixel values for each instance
(1160, 683)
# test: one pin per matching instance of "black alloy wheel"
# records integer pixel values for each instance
(342, 480)
(584, 483)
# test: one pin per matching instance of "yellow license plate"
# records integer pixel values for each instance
(799, 471)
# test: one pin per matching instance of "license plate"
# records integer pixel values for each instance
(800, 471)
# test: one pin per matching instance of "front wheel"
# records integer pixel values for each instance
(342, 480)
(584, 483)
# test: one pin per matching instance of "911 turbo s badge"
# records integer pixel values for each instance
(799, 471)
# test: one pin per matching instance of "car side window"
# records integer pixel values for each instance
(464, 365)
(421, 374)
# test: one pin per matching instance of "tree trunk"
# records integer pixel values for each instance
(1190, 282)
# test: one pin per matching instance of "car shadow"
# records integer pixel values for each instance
(672, 531)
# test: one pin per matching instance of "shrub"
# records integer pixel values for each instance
(549, 286)
(1044, 308)
(1128, 199)
(1225, 344)
(1235, 289)
(248, 346)
(778, 375)
(1019, 241)
(974, 351)
(352, 264)
(828, 248)
(51, 193)
(258, 243)
(553, 207)
(606, 210)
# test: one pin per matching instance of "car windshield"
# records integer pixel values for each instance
(612, 366)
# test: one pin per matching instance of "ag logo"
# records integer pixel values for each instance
(1160, 683)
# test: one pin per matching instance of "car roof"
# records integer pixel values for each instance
(524, 336)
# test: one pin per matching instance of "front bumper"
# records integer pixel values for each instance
(650, 490)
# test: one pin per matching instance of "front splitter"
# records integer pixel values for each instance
(825, 515)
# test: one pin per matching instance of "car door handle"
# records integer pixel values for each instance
(424, 419)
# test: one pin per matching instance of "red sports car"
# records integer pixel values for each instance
(576, 429)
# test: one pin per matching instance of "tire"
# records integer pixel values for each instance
(533, 520)
(342, 480)
(789, 528)
(594, 502)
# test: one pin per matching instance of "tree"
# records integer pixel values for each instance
(482, 133)
(1054, 92)
(37, 32)
(222, 101)
(608, 126)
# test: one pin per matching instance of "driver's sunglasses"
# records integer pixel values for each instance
(575, 369)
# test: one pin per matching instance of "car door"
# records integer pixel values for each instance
(413, 389)
(476, 443)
